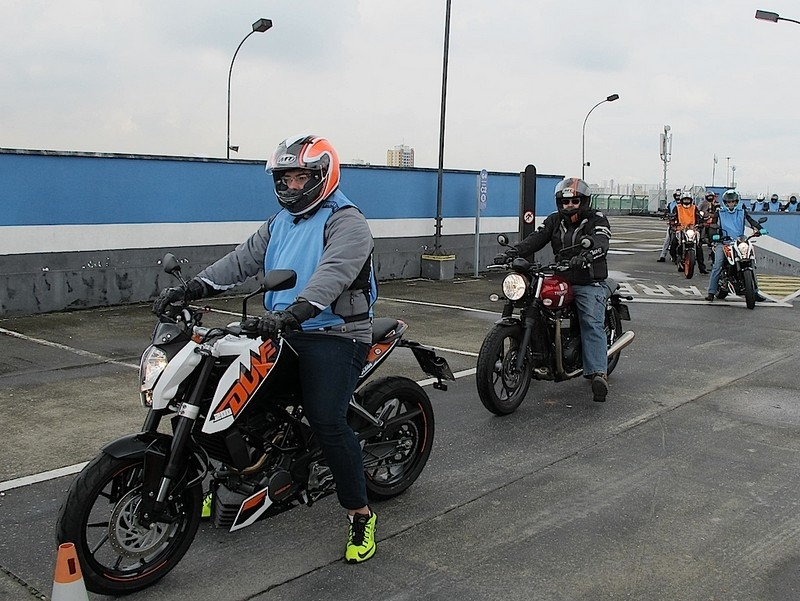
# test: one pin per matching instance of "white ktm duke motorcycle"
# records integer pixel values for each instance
(236, 423)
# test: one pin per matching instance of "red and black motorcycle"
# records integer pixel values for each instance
(541, 341)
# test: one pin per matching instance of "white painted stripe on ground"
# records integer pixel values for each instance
(70, 349)
(74, 469)
(42, 477)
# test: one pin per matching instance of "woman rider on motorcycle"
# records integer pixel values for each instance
(575, 220)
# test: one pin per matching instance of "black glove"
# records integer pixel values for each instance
(578, 262)
(277, 322)
(506, 257)
(194, 289)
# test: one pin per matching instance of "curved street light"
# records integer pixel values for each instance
(259, 26)
(584, 164)
(765, 15)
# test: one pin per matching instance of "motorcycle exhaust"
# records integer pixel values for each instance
(621, 342)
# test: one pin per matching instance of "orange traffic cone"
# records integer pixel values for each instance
(68, 581)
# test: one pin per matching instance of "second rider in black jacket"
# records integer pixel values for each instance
(575, 220)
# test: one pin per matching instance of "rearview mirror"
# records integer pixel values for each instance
(171, 265)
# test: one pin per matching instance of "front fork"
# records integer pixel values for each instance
(161, 471)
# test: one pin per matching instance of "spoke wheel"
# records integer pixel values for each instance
(501, 386)
(117, 554)
(395, 457)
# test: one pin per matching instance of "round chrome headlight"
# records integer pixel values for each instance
(514, 286)
(690, 233)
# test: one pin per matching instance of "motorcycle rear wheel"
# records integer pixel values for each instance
(749, 288)
(395, 457)
(689, 261)
(99, 515)
(501, 387)
(613, 327)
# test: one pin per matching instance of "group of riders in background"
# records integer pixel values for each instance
(705, 222)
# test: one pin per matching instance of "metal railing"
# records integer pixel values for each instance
(621, 204)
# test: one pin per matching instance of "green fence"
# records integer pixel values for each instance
(621, 204)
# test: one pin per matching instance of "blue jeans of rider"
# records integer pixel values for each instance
(590, 301)
(716, 271)
(329, 369)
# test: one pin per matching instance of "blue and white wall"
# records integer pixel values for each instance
(82, 230)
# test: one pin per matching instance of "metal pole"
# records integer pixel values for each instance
(259, 26)
(437, 238)
(228, 143)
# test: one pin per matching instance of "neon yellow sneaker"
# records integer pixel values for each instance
(361, 538)
(208, 499)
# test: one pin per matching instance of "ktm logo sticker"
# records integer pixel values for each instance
(249, 381)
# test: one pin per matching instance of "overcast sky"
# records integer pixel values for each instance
(150, 77)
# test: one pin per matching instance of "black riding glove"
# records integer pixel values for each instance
(276, 322)
(578, 262)
(194, 289)
(506, 257)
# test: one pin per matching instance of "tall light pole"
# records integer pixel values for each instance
(666, 154)
(259, 26)
(584, 164)
(437, 237)
(727, 172)
(765, 15)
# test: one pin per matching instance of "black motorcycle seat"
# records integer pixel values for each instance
(383, 326)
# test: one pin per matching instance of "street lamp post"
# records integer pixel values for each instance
(259, 26)
(765, 15)
(437, 236)
(666, 155)
(727, 172)
(584, 164)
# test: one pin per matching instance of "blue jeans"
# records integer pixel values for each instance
(590, 300)
(716, 271)
(329, 369)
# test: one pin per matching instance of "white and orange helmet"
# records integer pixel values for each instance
(314, 154)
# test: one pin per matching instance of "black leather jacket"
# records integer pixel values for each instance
(563, 231)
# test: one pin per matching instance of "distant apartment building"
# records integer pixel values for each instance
(400, 156)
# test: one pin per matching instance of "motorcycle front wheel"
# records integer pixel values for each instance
(117, 554)
(613, 327)
(749, 288)
(689, 261)
(501, 386)
(395, 457)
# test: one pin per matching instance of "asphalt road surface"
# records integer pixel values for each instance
(682, 486)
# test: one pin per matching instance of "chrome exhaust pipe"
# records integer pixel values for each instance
(621, 342)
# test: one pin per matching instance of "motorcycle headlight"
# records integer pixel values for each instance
(744, 248)
(514, 286)
(153, 362)
(690, 233)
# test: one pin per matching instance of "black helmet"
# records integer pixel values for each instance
(313, 154)
(571, 188)
(774, 198)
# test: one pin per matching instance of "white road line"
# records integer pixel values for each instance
(74, 469)
(70, 349)
(42, 477)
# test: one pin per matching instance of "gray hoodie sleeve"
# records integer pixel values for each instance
(348, 245)
(243, 262)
